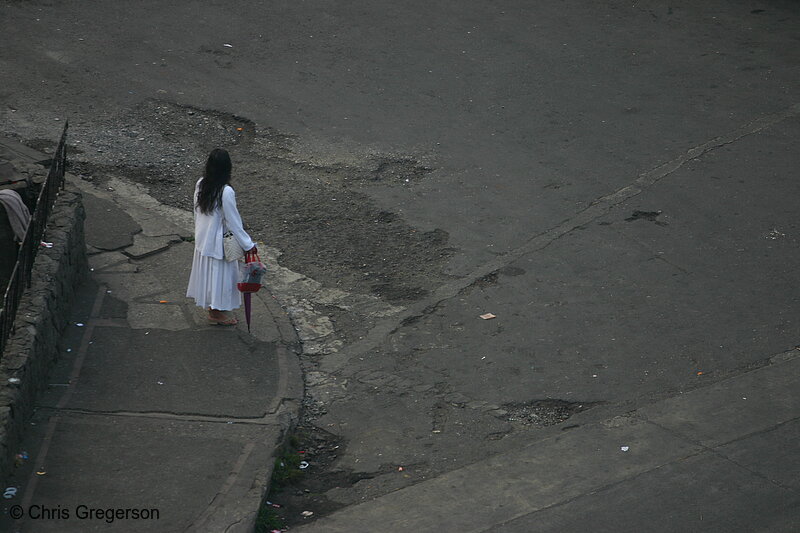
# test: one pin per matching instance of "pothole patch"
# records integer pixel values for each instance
(543, 413)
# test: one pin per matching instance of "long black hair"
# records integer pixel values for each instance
(217, 175)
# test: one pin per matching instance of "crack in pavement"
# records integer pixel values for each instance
(594, 491)
(168, 415)
(233, 525)
(205, 517)
(714, 450)
(751, 470)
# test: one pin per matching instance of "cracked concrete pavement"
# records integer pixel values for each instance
(545, 128)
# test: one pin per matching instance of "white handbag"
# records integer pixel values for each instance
(231, 248)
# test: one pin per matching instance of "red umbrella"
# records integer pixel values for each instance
(247, 302)
(252, 271)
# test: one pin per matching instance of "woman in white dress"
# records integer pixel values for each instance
(212, 282)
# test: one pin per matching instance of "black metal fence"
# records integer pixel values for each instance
(21, 275)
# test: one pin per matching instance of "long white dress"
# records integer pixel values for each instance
(212, 282)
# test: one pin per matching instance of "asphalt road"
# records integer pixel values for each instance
(614, 181)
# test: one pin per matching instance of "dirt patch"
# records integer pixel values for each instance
(318, 214)
(331, 231)
(303, 474)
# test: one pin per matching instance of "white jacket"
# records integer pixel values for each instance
(208, 229)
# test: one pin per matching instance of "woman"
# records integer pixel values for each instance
(212, 282)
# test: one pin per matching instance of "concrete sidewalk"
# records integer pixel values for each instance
(149, 407)
(722, 458)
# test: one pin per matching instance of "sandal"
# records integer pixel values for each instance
(228, 321)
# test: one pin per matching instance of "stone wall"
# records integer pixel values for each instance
(41, 319)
